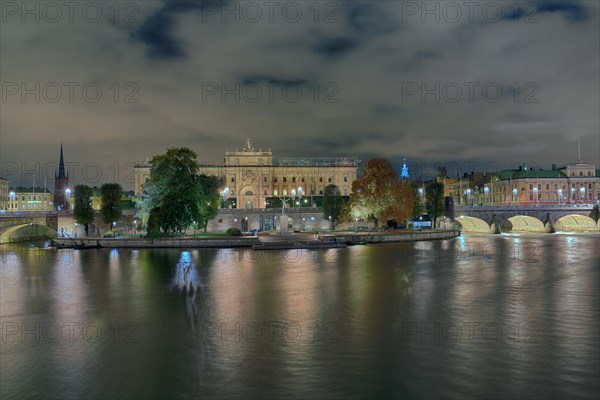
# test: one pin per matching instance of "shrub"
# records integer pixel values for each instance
(234, 232)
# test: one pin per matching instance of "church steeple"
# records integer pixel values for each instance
(61, 183)
(61, 165)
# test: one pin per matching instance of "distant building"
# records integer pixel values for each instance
(254, 179)
(571, 184)
(126, 199)
(22, 199)
(61, 184)
(3, 194)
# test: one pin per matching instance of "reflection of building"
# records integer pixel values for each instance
(23, 199)
(61, 184)
(574, 183)
(254, 178)
(3, 194)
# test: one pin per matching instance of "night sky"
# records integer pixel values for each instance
(341, 79)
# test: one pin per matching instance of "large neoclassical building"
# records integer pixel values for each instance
(253, 178)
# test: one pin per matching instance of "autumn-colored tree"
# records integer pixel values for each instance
(378, 195)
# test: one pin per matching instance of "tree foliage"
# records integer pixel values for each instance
(83, 211)
(174, 197)
(333, 203)
(112, 209)
(209, 199)
(434, 200)
(419, 207)
(379, 195)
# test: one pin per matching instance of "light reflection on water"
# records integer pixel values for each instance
(479, 316)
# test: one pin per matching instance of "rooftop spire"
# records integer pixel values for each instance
(61, 165)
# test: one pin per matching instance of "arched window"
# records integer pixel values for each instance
(249, 193)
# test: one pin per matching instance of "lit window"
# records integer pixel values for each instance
(285, 192)
(275, 192)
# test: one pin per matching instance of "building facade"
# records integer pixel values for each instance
(4, 194)
(571, 184)
(252, 178)
(23, 199)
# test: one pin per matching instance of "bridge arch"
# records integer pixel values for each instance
(523, 223)
(25, 232)
(576, 223)
(473, 225)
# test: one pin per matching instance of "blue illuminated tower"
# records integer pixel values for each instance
(404, 173)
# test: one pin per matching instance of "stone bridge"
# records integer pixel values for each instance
(27, 226)
(496, 219)
(17, 227)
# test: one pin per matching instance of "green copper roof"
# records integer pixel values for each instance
(524, 174)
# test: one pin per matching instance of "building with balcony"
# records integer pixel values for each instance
(254, 179)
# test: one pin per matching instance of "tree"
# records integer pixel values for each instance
(434, 200)
(208, 199)
(379, 195)
(419, 208)
(111, 209)
(171, 197)
(83, 211)
(333, 202)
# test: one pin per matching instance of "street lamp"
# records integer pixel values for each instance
(468, 192)
(559, 196)
(12, 200)
(582, 194)
(225, 195)
(535, 193)
(514, 192)
(68, 193)
(486, 191)
(330, 223)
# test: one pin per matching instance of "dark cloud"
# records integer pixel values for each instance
(334, 47)
(156, 31)
(363, 61)
(271, 80)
